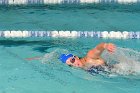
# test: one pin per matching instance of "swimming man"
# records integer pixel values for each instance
(93, 57)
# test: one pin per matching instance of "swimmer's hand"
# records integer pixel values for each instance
(110, 47)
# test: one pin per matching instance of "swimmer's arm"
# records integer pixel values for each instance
(98, 50)
(34, 58)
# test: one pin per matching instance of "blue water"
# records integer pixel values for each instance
(48, 75)
(20, 75)
(71, 17)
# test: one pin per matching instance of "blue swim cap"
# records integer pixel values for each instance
(64, 57)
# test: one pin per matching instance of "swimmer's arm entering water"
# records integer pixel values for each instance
(97, 51)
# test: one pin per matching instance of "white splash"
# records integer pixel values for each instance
(125, 61)
(53, 56)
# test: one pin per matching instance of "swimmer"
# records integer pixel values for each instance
(92, 58)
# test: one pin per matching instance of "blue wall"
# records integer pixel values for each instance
(35, 1)
(4, 1)
(71, 1)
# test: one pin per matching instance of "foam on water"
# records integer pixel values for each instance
(53, 56)
(125, 61)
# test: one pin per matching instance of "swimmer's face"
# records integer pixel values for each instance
(74, 61)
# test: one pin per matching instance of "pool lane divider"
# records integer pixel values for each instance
(25, 2)
(72, 34)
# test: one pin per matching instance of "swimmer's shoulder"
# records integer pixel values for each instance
(83, 59)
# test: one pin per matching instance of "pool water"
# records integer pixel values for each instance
(98, 17)
(49, 75)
